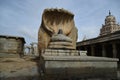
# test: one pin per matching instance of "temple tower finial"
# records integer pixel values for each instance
(109, 12)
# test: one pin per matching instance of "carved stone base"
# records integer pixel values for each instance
(79, 67)
(59, 64)
(61, 52)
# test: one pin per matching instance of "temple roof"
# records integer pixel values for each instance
(110, 17)
(13, 37)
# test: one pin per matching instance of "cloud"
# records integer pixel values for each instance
(90, 31)
(29, 33)
(23, 17)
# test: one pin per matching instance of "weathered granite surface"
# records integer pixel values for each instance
(52, 21)
(59, 60)
(19, 69)
(79, 67)
(60, 52)
(60, 41)
(58, 68)
(11, 45)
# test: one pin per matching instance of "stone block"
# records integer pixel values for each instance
(11, 45)
(80, 67)
(61, 52)
(83, 53)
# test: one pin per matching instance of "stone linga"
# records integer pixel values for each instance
(60, 41)
(54, 20)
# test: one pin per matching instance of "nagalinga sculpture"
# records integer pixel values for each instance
(54, 20)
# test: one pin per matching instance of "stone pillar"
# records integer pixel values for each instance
(103, 50)
(114, 50)
(85, 48)
(28, 50)
(92, 50)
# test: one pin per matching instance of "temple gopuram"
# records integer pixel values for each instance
(107, 44)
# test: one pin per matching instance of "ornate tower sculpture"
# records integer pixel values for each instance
(57, 30)
(110, 25)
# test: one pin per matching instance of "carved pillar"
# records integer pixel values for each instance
(28, 50)
(92, 50)
(114, 50)
(103, 50)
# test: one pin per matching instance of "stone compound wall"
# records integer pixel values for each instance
(12, 66)
(11, 45)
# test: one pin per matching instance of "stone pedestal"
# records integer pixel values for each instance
(60, 52)
(63, 64)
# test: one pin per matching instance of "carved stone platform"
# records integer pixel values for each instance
(60, 52)
(66, 64)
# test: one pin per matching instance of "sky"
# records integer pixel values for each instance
(23, 17)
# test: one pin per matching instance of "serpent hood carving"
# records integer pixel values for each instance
(52, 21)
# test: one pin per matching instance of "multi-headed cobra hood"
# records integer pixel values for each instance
(55, 19)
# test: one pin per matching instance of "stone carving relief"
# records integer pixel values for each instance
(54, 20)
